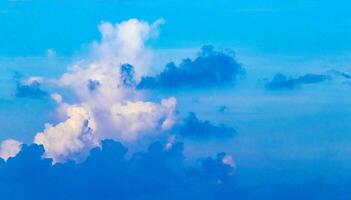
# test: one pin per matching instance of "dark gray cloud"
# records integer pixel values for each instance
(283, 82)
(210, 68)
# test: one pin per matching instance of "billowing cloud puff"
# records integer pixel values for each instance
(157, 173)
(282, 82)
(125, 42)
(106, 103)
(115, 62)
(210, 68)
(70, 137)
(9, 148)
(136, 118)
(108, 173)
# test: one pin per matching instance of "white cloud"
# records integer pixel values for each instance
(121, 43)
(9, 148)
(71, 137)
(137, 119)
(105, 108)
(84, 129)
(125, 42)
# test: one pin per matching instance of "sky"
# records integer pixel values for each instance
(132, 99)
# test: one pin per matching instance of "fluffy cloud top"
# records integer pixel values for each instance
(70, 137)
(9, 148)
(119, 59)
(134, 119)
(282, 82)
(105, 101)
(210, 68)
(125, 42)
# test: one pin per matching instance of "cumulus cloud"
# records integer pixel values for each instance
(195, 128)
(9, 148)
(210, 68)
(133, 119)
(105, 103)
(157, 173)
(71, 137)
(107, 173)
(125, 42)
(282, 82)
(119, 59)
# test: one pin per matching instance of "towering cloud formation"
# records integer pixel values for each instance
(106, 102)
(101, 79)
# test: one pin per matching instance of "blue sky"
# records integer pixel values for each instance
(31, 27)
(229, 99)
